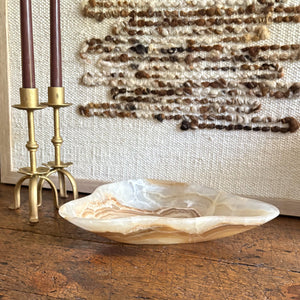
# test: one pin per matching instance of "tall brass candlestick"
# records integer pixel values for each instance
(30, 103)
(56, 100)
(56, 97)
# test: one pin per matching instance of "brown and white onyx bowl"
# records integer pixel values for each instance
(159, 212)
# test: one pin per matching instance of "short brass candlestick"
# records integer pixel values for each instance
(29, 102)
(56, 100)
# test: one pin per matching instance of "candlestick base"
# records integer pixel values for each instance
(34, 177)
(62, 174)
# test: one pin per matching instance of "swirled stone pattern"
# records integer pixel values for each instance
(161, 212)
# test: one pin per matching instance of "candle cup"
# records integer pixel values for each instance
(56, 96)
(29, 99)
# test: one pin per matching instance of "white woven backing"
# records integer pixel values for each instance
(250, 163)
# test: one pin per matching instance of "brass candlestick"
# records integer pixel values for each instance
(29, 102)
(56, 100)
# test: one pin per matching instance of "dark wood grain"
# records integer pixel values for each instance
(11, 294)
(55, 260)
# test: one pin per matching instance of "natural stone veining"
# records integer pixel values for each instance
(158, 212)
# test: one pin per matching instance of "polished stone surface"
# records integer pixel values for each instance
(158, 212)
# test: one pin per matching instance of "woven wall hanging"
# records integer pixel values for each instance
(143, 74)
(209, 65)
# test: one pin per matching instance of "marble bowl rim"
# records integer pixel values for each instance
(255, 220)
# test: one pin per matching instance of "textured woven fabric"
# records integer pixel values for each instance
(257, 164)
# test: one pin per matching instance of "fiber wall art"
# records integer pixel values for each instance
(192, 61)
(186, 90)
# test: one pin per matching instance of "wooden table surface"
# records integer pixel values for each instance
(56, 260)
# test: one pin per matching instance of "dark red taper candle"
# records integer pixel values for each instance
(55, 44)
(28, 74)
